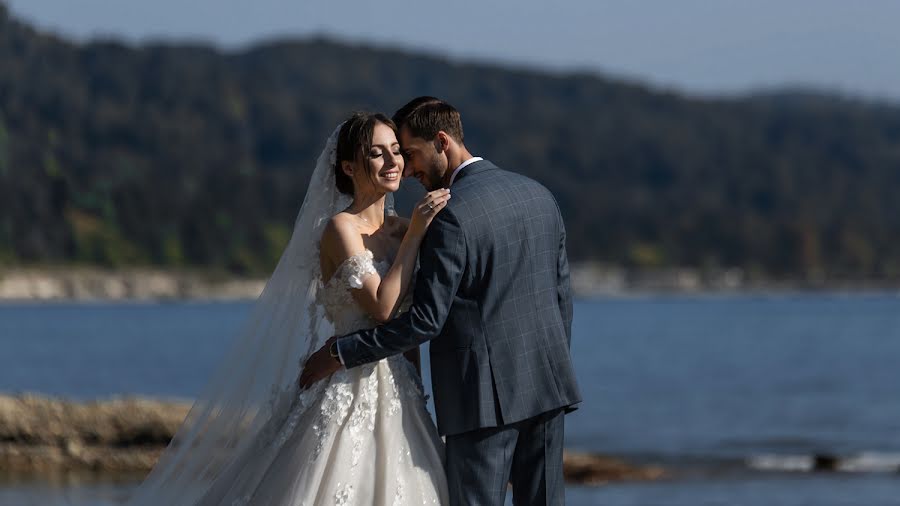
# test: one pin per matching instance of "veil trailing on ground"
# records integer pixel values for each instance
(250, 395)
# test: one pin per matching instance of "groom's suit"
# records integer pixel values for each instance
(493, 296)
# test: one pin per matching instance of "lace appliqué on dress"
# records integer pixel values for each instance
(344, 495)
(358, 267)
(344, 410)
(333, 411)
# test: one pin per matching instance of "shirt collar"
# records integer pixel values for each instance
(462, 166)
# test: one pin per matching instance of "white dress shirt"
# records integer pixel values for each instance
(462, 165)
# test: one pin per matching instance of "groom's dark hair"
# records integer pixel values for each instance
(426, 116)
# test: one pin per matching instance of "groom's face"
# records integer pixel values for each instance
(423, 161)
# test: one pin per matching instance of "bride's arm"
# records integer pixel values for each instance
(380, 297)
(413, 355)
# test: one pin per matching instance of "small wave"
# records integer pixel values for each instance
(872, 463)
(862, 463)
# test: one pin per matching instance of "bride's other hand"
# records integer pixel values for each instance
(427, 209)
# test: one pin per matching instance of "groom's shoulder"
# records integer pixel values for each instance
(491, 179)
(498, 190)
(502, 179)
(487, 175)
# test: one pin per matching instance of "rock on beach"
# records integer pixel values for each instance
(43, 435)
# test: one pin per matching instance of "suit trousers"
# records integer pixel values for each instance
(527, 454)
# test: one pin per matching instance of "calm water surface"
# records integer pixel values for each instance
(733, 394)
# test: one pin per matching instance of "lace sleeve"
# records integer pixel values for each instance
(358, 267)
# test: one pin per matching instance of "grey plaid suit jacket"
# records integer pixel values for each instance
(493, 296)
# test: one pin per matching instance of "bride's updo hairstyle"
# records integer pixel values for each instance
(353, 144)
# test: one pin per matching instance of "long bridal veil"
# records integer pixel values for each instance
(253, 390)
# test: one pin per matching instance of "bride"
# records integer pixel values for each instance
(363, 436)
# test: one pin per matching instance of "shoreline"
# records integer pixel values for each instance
(132, 284)
(42, 435)
(77, 284)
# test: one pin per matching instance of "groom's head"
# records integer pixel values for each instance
(431, 139)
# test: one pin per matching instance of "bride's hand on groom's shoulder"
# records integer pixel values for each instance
(318, 366)
(427, 209)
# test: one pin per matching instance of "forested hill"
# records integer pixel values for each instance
(185, 155)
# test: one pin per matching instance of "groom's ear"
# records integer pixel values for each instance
(441, 141)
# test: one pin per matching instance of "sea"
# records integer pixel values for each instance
(734, 395)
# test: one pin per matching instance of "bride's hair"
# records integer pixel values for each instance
(353, 143)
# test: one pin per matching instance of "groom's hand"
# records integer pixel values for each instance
(319, 366)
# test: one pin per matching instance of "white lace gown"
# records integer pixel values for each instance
(361, 437)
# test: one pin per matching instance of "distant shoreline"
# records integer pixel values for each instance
(138, 284)
(37, 284)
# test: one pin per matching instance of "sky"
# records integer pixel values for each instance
(700, 47)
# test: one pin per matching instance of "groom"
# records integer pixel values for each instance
(493, 297)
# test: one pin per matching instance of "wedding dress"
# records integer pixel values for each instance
(361, 437)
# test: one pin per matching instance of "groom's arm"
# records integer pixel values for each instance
(442, 261)
(563, 283)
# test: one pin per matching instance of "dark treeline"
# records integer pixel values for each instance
(187, 156)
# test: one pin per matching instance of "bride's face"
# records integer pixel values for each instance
(382, 167)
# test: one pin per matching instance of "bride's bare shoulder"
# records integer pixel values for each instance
(341, 238)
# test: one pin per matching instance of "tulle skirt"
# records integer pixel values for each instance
(363, 437)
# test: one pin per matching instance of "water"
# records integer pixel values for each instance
(734, 395)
